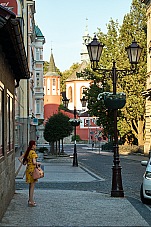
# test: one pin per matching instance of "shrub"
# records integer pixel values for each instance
(130, 149)
(107, 146)
(124, 149)
(77, 138)
(42, 149)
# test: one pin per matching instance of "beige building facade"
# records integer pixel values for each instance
(13, 68)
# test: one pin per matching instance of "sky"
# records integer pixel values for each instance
(63, 23)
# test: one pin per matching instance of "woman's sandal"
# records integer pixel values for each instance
(30, 204)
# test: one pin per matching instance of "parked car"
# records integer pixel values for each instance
(145, 191)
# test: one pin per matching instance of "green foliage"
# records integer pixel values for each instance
(108, 146)
(42, 149)
(66, 74)
(62, 107)
(40, 121)
(131, 118)
(57, 127)
(77, 138)
(46, 65)
(133, 85)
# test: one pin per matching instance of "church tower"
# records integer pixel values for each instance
(86, 39)
(51, 90)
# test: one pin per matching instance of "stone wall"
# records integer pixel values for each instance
(7, 159)
(7, 182)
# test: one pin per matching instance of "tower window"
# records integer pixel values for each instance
(70, 94)
(53, 82)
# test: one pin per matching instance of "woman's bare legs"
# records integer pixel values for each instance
(31, 192)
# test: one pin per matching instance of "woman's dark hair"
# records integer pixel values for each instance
(31, 143)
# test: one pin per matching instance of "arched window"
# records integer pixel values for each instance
(82, 89)
(70, 94)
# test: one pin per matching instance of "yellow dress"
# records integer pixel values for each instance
(30, 166)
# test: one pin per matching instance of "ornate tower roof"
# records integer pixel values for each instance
(52, 67)
(39, 34)
(38, 31)
(52, 71)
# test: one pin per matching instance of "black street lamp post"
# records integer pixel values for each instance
(74, 122)
(65, 103)
(134, 50)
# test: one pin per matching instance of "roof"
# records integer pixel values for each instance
(73, 76)
(12, 43)
(52, 71)
(84, 114)
(38, 32)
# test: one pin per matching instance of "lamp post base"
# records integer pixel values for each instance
(117, 194)
(117, 188)
(75, 160)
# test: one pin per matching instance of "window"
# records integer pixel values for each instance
(44, 82)
(53, 82)
(1, 119)
(10, 127)
(70, 94)
(37, 54)
(48, 87)
(37, 79)
(38, 83)
(37, 106)
(82, 90)
(53, 86)
(87, 122)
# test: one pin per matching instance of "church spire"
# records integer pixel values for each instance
(86, 40)
(52, 67)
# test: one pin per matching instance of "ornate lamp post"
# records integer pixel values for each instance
(65, 104)
(95, 50)
(83, 101)
(75, 122)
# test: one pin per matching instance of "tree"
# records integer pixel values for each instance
(131, 117)
(101, 80)
(57, 127)
(133, 114)
(66, 74)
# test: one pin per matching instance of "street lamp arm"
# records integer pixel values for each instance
(119, 72)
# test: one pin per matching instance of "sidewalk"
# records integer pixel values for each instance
(71, 207)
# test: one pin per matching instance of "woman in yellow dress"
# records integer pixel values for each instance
(29, 158)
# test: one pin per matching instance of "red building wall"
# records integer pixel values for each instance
(50, 109)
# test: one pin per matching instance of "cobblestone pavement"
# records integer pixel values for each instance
(71, 196)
